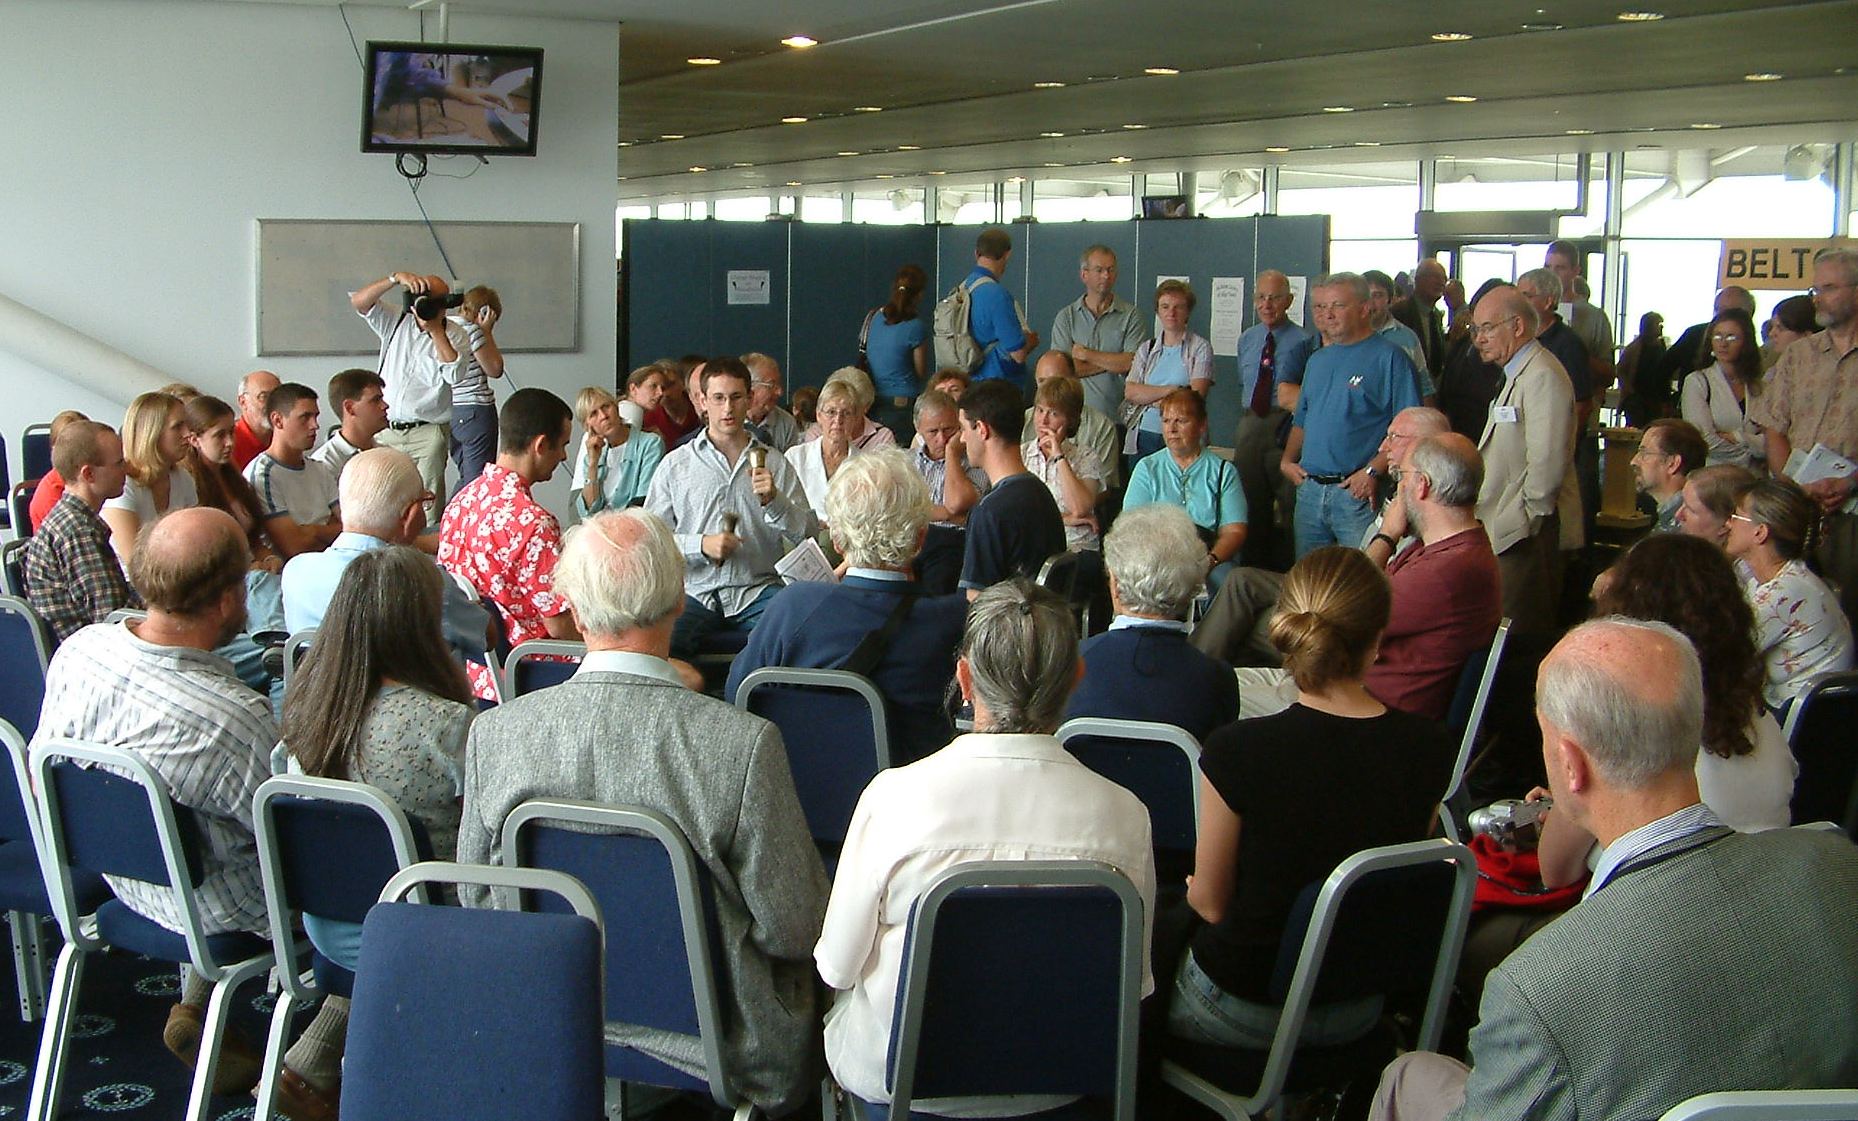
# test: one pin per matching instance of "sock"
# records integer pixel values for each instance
(195, 989)
(317, 1054)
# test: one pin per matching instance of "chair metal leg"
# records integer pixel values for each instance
(55, 1040)
(28, 932)
(213, 1032)
(276, 1039)
(743, 1112)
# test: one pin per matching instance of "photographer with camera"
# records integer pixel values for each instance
(422, 356)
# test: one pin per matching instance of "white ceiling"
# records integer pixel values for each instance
(955, 80)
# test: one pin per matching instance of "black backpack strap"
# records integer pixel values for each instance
(871, 648)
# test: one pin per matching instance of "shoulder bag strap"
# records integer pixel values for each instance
(870, 649)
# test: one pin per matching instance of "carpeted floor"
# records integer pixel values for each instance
(119, 1067)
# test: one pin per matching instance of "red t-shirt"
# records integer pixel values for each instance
(45, 496)
(500, 540)
(669, 430)
(1446, 605)
(245, 444)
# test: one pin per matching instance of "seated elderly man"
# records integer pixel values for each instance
(876, 621)
(938, 448)
(624, 730)
(156, 688)
(1007, 791)
(1143, 668)
(1699, 960)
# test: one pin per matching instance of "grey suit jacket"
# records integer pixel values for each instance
(722, 775)
(1526, 459)
(1722, 961)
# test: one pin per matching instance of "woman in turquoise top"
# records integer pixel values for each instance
(896, 349)
(1177, 357)
(1195, 479)
(617, 457)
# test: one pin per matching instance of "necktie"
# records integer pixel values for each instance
(1262, 392)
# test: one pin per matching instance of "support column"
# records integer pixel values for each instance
(1614, 289)
(1190, 186)
(1025, 197)
(1842, 181)
(1268, 184)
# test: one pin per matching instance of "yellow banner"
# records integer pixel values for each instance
(1770, 263)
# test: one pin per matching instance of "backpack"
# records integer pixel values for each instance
(954, 338)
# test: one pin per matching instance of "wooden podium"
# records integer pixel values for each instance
(1619, 495)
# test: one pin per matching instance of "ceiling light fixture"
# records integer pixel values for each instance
(1763, 76)
(625, 144)
(1053, 165)
(1449, 37)
(1121, 159)
(704, 60)
(1048, 85)
(1016, 179)
(1278, 148)
(1051, 135)
(1132, 128)
(697, 167)
(1542, 26)
(1640, 17)
(793, 182)
(671, 136)
(883, 175)
(799, 42)
(793, 120)
(909, 147)
(1460, 98)
(1338, 108)
(1161, 71)
(1580, 132)
(867, 108)
(848, 153)
(938, 173)
(1705, 125)
(1367, 143)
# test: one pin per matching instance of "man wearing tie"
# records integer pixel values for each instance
(1271, 354)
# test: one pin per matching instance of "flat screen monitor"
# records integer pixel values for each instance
(451, 98)
(1164, 206)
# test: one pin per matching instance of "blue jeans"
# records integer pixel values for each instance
(474, 440)
(1328, 515)
(1206, 1013)
(700, 620)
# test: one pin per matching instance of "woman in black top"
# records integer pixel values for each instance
(1285, 798)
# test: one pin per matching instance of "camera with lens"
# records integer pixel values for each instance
(432, 307)
(1514, 824)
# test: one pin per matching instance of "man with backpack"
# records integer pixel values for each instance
(978, 326)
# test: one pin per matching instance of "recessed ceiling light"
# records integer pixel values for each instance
(1048, 85)
(793, 120)
(799, 41)
(938, 173)
(848, 153)
(1705, 125)
(1542, 26)
(1367, 143)
(1160, 71)
(883, 175)
(1640, 17)
(867, 108)
(1052, 165)
(741, 165)
(1580, 132)
(623, 178)
(1016, 179)
(1277, 148)
(1763, 76)
(625, 144)
(793, 182)
(698, 167)
(909, 147)
(1134, 127)
(1396, 105)
(1338, 108)
(1460, 98)
(1051, 135)
(671, 136)
(704, 60)
(1449, 37)
(1120, 159)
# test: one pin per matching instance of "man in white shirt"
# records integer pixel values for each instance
(422, 357)
(296, 494)
(360, 401)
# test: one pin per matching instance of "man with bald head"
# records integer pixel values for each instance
(1094, 430)
(1420, 312)
(251, 433)
(1699, 959)
(1528, 446)
(1272, 354)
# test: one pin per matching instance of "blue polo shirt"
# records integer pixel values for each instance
(890, 348)
(1294, 345)
(1350, 394)
(1208, 490)
(992, 318)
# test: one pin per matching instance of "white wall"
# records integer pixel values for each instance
(146, 138)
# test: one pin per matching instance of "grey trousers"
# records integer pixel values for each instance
(1419, 1086)
(1237, 625)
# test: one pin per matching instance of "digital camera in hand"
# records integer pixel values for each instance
(1512, 822)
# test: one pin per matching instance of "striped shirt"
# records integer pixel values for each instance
(73, 578)
(204, 732)
(473, 385)
(1693, 818)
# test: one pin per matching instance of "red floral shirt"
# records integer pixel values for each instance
(504, 543)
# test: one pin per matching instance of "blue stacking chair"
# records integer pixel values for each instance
(25, 652)
(326, 848)
(35, 451)
(1767, 1105)
(1819, 730)
(1158, 763)
(469, 1014)
(1388, 920)
(295, 647)
(22, 881)
(18, 504)
(837, 738)
(105, 809)
(1466, 717)
(662, 961)
(1020, 977)
(13, 567)
(538, 664)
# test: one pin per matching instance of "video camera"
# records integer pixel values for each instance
(432, 307)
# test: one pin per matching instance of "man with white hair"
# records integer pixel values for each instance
(1699, 959)
(876, 621)
(1143, 668)
(625, 731)
(383, 504)
(251, 434)
(767, 421)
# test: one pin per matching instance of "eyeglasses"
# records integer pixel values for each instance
(1725, 338)
(1743, 518)
(1819, 288)
(1478, 330)
(835, 414)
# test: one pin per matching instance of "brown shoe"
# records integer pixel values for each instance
(239, 1061)
(298, 1097)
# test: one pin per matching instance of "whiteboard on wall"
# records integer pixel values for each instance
(308, 266)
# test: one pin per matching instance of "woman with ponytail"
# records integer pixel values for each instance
(1798, 623)
(894, 347)
(1298, 792)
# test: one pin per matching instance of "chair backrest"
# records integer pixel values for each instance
(326, 847)
(35, 451)
(19, 815)
(1767, 1105)
(1819, 729)
(662, 958)
(1466, 717)
(1387, 920)
(295, 647)
(19, 505)
(837, 738)
(1059, 574)
(465, 1014)
(1020, 977)
(538, 664)
(1158, 763)
(13, 566)
(27, 651)
(105, 809)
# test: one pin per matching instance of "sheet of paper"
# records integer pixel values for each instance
(1821, 463)
(749, 286)
(1299, 286)
(807, 562)
(1228, 314)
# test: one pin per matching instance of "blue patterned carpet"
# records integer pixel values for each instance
(119, 1067)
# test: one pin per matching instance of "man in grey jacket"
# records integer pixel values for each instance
(1699, 960)
(624, 729)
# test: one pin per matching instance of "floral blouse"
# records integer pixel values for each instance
(1800, 629)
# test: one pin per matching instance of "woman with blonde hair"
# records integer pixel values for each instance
(154, 447)
(617, 458)
(1264, 780)
(816, 460)
(866, 434)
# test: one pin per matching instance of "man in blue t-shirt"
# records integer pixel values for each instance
(1017, 526)
(993, 318)
(1352, 387)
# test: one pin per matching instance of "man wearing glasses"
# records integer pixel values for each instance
(1668, 452)
(1527, 445)
(1100, 331)
(1812, 399)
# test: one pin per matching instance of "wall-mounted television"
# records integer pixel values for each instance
(1164, 206)
(451, 98)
